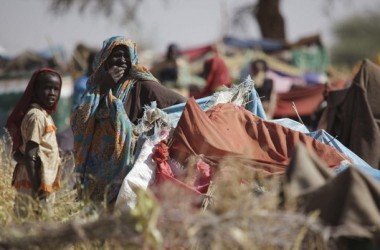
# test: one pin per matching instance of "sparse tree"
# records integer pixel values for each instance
(268, 16)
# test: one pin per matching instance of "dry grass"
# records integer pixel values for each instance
(236, 216)
(6, 193)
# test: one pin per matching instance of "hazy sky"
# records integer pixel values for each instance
(28, 24)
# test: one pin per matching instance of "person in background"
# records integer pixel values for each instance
(263, 85)
(217, 75)
(65, 137)
(266, 82)
(35, 148)
(80, 83)
(103, 123)
(167, 70)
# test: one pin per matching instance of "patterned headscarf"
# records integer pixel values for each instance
(89, 159)
(137, 72)
(13, 124)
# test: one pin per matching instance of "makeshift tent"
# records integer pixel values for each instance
(145, 172)
(353, 114)
(326, 138)
(267, 45)
(230, 130)
(306, 100)
(228, 143)
(358, 162)
(312, 58)
(243, 94)
(195, 53)
(348, 203)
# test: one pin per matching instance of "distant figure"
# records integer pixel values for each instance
(65, 137)
(80, 83)
(114, 101)
(263, 85)
(35, 147)
(167, 70)
(217, 75)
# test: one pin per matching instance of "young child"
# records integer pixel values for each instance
(35, 147)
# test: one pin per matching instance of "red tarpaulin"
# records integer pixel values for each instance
(195, 53)
(306, 100)
(230, 130)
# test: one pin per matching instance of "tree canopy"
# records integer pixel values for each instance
(357, 38)
(107, 7)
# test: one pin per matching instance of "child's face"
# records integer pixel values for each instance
(48, 90)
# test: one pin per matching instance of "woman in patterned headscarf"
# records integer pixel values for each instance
(116, 94)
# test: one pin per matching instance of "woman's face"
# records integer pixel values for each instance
(119, 58)
(48, 88)
(118, 63)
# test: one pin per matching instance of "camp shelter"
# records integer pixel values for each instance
(324, 137)
(265, 44)
(347, 203)
(302, 100)
(144, 171)
(228, 130)
(241, 102)
(353, 114)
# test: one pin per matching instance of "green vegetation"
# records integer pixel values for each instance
(356, 38)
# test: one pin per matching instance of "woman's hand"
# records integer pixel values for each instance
(116, 73)
(109, 77)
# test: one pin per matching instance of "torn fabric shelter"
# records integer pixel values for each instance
(353, 114)
(230, 130)
(349, 203)
(306, 99)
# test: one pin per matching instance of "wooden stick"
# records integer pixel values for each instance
(295, 110)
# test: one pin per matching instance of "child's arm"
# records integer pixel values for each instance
(31, 160)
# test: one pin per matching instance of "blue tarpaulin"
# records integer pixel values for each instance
(267, 45)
